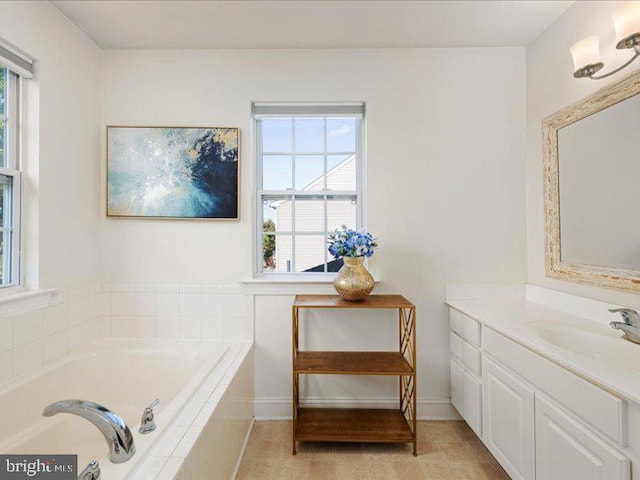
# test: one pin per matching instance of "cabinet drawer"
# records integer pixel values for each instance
(464, 326)
(599, 408)
(466, 396)
(468, 355)
(565, 450)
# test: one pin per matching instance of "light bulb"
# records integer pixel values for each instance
(586, 57)
(627, 23)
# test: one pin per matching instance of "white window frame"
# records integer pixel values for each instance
(10, 229)
(304, 110)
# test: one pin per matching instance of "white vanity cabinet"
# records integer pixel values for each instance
(466, 368)
(508, 425)
(540, 421)
(466, 396)
(566, 450)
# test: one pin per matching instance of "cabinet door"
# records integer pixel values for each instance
(508, 420)
(466, 396)
(457, 386)
(566, 450)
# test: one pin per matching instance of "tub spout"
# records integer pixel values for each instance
(112, 427)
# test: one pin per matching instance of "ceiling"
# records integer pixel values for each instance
(311, 24)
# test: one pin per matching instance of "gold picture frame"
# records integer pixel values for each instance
(183, 173)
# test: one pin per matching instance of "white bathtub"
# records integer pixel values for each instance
(125, 376)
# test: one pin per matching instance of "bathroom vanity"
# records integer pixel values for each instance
(549, 387)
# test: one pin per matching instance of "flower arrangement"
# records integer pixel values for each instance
(345, 242)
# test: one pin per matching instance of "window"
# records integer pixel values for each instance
(9, 179)
(309, 182)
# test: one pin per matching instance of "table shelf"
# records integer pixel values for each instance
(357, 424)
(352, 425)
(353, 363)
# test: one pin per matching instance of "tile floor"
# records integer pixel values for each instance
(446, 451)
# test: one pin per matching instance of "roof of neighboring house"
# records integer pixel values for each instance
(318, 183)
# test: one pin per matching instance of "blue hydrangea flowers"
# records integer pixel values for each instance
(344, 242)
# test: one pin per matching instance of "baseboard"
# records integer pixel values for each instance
(279, 408)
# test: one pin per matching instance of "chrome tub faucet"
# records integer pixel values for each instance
(112, 427)
(630, 324)
(91, 471)
(148, 422)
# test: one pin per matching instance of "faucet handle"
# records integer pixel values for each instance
(147, 423)
(91, 471)
(629, 315)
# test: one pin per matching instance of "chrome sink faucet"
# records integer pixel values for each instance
(630, 324)
(112, 427)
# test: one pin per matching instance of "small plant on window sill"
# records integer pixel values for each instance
(353, 281)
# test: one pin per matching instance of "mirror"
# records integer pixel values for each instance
(592, 188)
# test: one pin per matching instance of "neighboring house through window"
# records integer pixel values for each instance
(309, 182)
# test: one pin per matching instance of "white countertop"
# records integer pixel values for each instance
(614, 365)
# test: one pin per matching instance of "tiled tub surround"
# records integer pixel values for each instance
(34, 339)
(177, 312)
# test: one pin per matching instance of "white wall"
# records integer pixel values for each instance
(551, 86)
(62, 215)
(445, 190)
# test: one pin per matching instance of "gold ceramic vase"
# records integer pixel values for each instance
(353, 282)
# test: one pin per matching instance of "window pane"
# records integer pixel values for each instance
(3, 89)
(276, 253)
(309, 215)
(5, 257)
(341, 134)
(309, 172)
(309, 135)
(276, 135)
(277, 172)
(268, 216)
(310, 253)
(341, 172)
(3, 143)
(3, 191)
(341, 212)
(2, 260)
(278, 211)
(334, 264)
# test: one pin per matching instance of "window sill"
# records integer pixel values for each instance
(18, 302)
(290, 284)
(279, 279)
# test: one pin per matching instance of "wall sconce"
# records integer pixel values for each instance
(586, 52)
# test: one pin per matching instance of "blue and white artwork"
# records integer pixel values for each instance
(172, 172)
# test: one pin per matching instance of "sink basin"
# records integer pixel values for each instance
(593, 341)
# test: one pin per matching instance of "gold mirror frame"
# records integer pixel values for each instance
(600, 276)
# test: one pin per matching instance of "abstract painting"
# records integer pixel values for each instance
(168, 172)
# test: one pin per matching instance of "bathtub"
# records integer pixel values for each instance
(190, 379)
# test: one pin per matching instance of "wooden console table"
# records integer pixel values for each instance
(358, 424)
